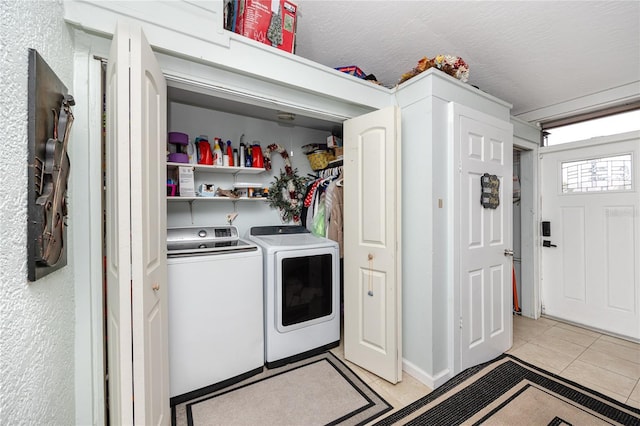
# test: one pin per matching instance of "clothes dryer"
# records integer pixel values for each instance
(301, 292)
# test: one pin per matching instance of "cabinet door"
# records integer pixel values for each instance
(372, 278)
(136, 233)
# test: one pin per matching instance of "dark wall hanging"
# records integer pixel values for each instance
(49, 123)
(490, 197)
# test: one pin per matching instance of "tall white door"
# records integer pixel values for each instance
(589, 197)
(483, 151)
(118, 231)
(372, 276)
(136, 233)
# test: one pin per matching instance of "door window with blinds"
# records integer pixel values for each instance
(612, 173)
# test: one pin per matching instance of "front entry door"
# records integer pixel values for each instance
(483, 148)
(372, 281)
(590, 201)
(136, 233)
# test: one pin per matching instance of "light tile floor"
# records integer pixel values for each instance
(603, 363)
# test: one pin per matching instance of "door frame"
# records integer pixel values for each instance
(90, 365)
(526, 137)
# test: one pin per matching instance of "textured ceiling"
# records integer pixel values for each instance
(532, 54)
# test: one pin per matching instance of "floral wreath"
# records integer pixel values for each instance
(286, 192)
(455, 66)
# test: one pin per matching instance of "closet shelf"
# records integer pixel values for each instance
(218, 169)
(214, 199)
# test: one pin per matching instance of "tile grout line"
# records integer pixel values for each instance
(577, 356)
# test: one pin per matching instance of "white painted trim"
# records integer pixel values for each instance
(95, 237)
(224, 49)
(184, 18)
(529, 296)
(453, 184)
(428, 380)
(620, 95)
(526, 136)
(621, 137)
(86, 159)
(441, 76)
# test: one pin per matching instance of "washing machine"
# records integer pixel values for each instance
(215, 310)
(301, 292)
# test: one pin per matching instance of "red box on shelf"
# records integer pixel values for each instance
(353, 70)
(253, 20)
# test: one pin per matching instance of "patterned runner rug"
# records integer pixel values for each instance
(316, 391)
(508, 391)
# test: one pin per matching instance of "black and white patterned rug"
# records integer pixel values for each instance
(508, 391)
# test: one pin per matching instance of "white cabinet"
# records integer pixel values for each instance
(431, 190)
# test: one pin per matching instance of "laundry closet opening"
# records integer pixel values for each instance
(233, 196)
(283, 141)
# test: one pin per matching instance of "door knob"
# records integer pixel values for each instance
(508, 252)
(547, 243)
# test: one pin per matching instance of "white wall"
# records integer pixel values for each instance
(36, 319)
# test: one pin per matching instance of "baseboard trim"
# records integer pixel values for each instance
(428, 380)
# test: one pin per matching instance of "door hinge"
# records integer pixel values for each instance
(460, 325)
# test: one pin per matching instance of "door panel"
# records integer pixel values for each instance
(136, 233)
(118, 228)
(483, 145)
(589, 268)
(372, 283)
(148, 235)
(374, 333)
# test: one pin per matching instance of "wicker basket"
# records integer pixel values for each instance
(320, 159)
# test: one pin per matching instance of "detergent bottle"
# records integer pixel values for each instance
(217, 152)
(256, 155)
(204, 149)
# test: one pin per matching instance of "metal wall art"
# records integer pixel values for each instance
(490, 196)
(49, 123)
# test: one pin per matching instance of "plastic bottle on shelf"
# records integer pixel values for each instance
(217, 152)
(235, 158)
(204, 150)
(256, 156)
(192, 152)
(230, 154)
(247, 158)
(242, 161)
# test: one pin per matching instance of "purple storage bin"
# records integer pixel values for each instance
(178, 138)
(178, 157)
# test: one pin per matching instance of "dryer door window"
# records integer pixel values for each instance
(306, 288)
